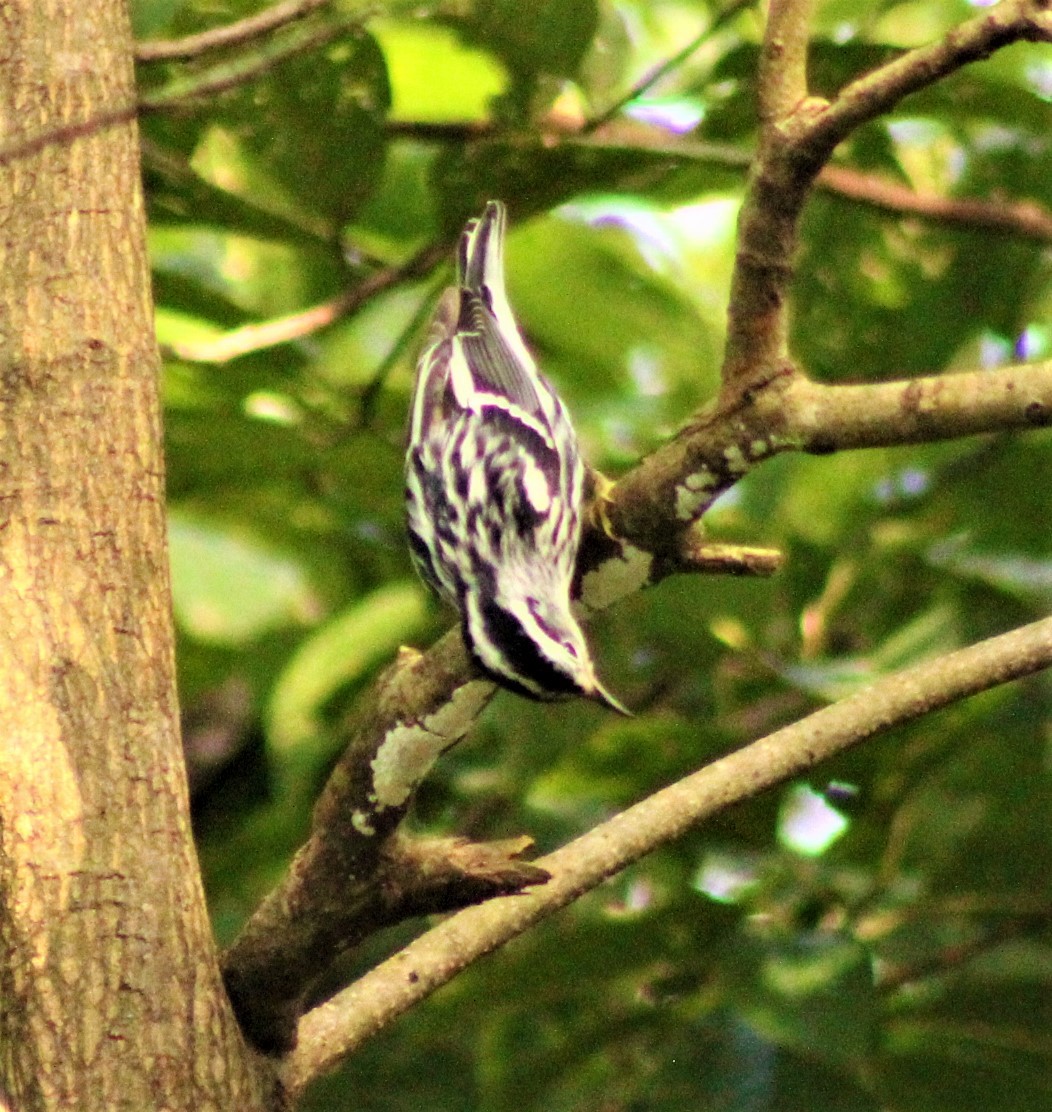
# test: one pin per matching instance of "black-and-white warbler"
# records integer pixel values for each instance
(494, 484)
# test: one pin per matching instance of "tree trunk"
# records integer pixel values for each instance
(110, 996)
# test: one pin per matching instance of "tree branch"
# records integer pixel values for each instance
(340, 886)
(1022, 217)
(890, 977)
(227, 75)
(877, 92)
(330, 1032)
(354, 874)
(798, 134)
(229, 34)
(921, 410)
(683, 478)
(782, 78)
(1025, 218)
(171, 173)
(282, 330)
(757, 316)
(28, 143)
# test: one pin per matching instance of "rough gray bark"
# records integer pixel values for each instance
(110, 996)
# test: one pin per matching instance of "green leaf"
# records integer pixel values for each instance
(435, 77)
(813, 992)
(229, 586)
(315, 126)
(608, 324)
(544, 36)
(339, 653)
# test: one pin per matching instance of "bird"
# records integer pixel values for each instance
(495, 484)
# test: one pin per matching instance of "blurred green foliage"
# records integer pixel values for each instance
(879, 940)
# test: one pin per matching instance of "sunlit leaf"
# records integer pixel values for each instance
(229, 586)
(337, 654)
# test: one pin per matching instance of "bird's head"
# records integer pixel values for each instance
(531, 642)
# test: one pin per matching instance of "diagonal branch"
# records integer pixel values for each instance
(295, 326)
(355, 873)
(229, 34)
(187, 90)
(341, 883)
(331, 1032)
(875, 93)
(669, 65)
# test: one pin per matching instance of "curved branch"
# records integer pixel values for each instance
(229, 34)
(330, 1032)
(875, 93)
(355, 874)
(790, 413)
(341, 883)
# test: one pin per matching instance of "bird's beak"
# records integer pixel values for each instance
(601, 695)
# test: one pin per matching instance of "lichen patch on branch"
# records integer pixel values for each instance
(615, 578)
(408, 752)
(694, 494)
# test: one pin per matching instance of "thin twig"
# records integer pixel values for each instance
(890, 977)
(331, 1032)
(228, 75)
(229, 34)
(645, 84)
(223, 207)
(394, 354)
(1024, 218)
(296, 326)
(1027, 218)
(26, 145)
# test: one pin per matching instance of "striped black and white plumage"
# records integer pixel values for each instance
(494, 484)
